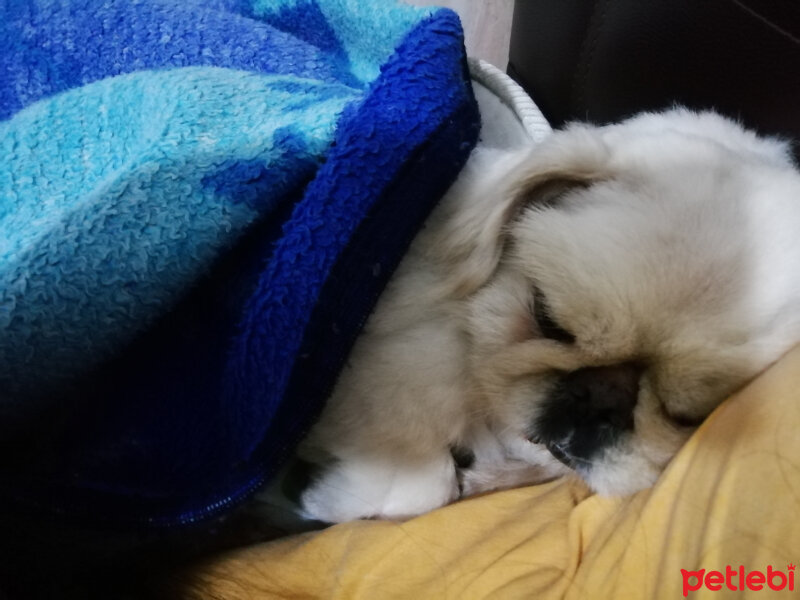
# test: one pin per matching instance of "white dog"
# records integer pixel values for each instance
(580, 306)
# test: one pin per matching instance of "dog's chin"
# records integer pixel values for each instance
(619, 473)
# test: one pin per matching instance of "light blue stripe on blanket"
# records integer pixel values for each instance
(116, 195)
(367, 36)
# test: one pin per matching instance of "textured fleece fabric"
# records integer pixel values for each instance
(200, 202)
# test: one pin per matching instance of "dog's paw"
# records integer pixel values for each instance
(380, 487)
(501, 460)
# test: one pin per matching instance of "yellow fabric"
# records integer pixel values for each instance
(730, 497)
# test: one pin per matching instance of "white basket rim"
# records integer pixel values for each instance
(513, 96)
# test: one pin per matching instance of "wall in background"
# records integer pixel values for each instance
(487, 26)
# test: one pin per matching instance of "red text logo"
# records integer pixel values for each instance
(738, 579)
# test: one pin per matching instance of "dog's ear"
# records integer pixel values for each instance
(503, 183)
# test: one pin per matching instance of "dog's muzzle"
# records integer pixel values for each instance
(588, 411)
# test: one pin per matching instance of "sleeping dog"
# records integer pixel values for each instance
(576, 307)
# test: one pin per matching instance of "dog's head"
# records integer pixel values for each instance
(628, 279)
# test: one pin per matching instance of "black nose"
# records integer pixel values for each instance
(588, 410)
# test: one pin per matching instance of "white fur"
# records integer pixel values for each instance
(675, 240)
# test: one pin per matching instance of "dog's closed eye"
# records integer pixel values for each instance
(683, 420)
(543, 317)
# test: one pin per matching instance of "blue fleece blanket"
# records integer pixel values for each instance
(200, 202)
